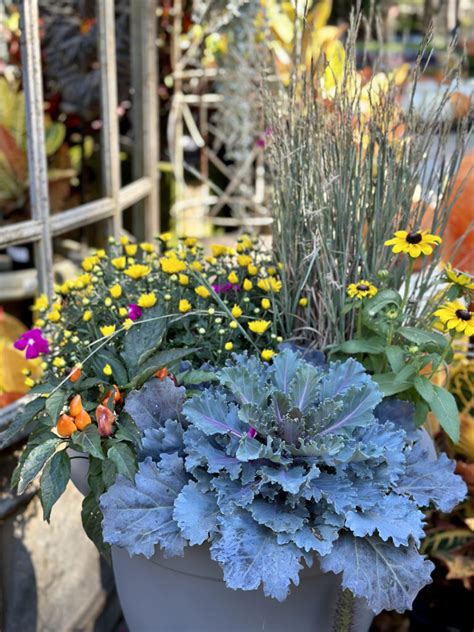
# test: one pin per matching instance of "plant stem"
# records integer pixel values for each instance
(406, 292)
(359, 322)
(344, 614)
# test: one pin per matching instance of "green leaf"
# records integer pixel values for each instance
(127, 430)
(54, 479)
(368, 345)
(389, 385)
(119, 371)
(421, 411)
(95, 476)
(124, 460)
(92, 523)
(55, 403)
(158, 361)
(88, 440)
(144, 338)
(193, 377)
(442, 405)
(109, 472)
(423, 337)
(381, 300)
(35, 462)
(348, 307)
(406, 374)
(21, 421)
(395, 357)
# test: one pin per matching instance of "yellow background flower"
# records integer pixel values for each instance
(115, 291)
(259, 326)
(137, 271)
(202, 291)
(184, 306)
(119, 263)
(267, 354)
(236, 311)
(147, 300)
(107, 330)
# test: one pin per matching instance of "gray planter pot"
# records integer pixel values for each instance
(188, 594)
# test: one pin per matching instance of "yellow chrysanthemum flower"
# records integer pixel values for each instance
(270, 284)
(267, 354)
(107, 370)
(202, 291)
(233, 278)
(41, 304)
(39, 322)
(54, 316)
(303, 302)
(244, 260)
(229, 346)
(184, 306)
(183, 279)
(107, 330)
(137, 271)
(190, 242)
(108, 302)
(247, 285)
(236, 311)
(29, 382)
(210, 259)
(147, 247)
(131, 249)
(362, 289)
(101, 253)
(455, 316)
(124, 240)
(123, 311)
(265, 303)
(115, 291)
(89, 262)
(119, 263)
(147, 300)
(459, 278)
(66, 287)
(252, 270)
(245, 243)
(271, 271)
(233, 324)
(197, 266)
(59, 363)
(259, 326)
(414, 243)
(172, 265)
(87, 315)
(166, 236)
(127, 323)
(219, 250)
(82, 281)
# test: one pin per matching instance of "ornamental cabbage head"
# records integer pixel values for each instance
(276, 465)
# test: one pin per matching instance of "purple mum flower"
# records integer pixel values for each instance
(34, 343)
(227, 287)
(134, 312)
(251, 432)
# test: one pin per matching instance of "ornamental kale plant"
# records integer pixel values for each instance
(275, 465)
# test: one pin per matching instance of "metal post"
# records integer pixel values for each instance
(36, 148)
(110, 130)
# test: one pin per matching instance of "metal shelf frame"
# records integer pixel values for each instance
(43, 226)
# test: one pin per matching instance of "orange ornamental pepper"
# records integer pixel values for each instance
(105, 419)
(75, 375)
(65, 426)
(116, 394)
(162, 373)
(82, 420)
(75, 406)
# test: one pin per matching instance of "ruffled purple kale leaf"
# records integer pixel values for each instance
(276, 464)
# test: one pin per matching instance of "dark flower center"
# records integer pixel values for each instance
(463, 314)
(414, 237)
(362, 287)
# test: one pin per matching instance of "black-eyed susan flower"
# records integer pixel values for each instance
(458, 278)
(267, 354)
(362, 289)
(147, 300)
(414, 243)
(456, 317)
(259, 326)
(184, 306)
(137, 271)
(202, 291)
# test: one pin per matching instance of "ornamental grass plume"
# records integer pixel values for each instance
(347, 164)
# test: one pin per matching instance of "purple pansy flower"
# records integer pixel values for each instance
(134, 312)
(34, 343)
